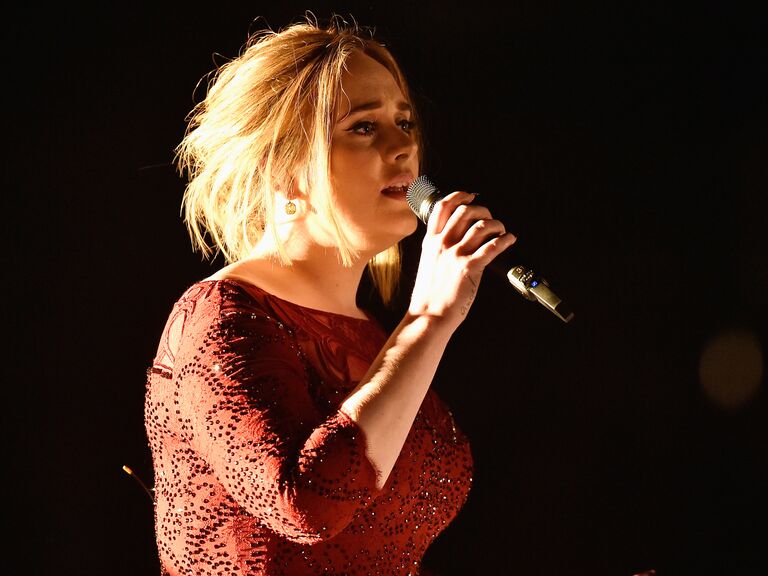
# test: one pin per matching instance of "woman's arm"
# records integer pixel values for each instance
(461, 240)
(239, 408)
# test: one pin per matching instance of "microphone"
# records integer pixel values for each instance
(422, 195)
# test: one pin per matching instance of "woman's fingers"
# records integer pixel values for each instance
(478, 234)
(466, 227)
(461, 221)
(445, 208)
(492, 248)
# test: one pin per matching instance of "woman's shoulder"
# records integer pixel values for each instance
(217, 299)
(212, 310)
(222, 296)
(213, 314)
(200, 308)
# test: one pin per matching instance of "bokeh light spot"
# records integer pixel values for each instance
(731, 368)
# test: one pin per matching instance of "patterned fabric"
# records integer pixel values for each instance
(257, 471)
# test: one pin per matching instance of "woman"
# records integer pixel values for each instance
(290, 434)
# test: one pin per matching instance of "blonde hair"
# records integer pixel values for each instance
(267, 118)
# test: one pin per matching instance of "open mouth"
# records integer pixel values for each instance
(397, 192)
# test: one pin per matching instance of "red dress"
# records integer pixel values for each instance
(257, 471)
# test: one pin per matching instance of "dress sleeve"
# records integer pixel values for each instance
(243, 394)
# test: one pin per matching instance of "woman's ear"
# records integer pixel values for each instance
(299, 186)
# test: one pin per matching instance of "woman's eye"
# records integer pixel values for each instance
(407, 125)
(368, 128)
(364, 128)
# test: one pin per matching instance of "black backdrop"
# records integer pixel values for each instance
(624, 143)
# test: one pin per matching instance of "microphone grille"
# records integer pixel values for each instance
(420, 197)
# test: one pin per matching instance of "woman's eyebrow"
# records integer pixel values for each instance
(374, 104)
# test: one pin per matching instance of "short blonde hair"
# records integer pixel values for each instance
(267, 118)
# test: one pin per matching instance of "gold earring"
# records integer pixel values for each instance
(290, 207)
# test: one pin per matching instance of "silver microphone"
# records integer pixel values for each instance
(422, 195)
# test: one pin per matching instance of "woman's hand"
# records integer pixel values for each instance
(461, 240)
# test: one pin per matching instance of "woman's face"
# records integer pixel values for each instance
(374, 156)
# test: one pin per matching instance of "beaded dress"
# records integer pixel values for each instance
(256, 469)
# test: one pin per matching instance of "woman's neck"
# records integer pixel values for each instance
(316, 278)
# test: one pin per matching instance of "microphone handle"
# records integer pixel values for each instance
(530, 285)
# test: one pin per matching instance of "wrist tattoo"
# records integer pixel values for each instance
(465, 308)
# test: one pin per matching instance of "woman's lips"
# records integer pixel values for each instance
(395, 192)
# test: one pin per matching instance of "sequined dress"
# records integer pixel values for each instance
(257, 471)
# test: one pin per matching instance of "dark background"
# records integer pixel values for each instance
(623, 142)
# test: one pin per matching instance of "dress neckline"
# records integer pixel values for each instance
(250, 287)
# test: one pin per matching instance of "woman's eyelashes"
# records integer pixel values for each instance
(363, 128)
(369, 127)
(407, 125)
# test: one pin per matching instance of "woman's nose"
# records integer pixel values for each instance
(400, 145)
